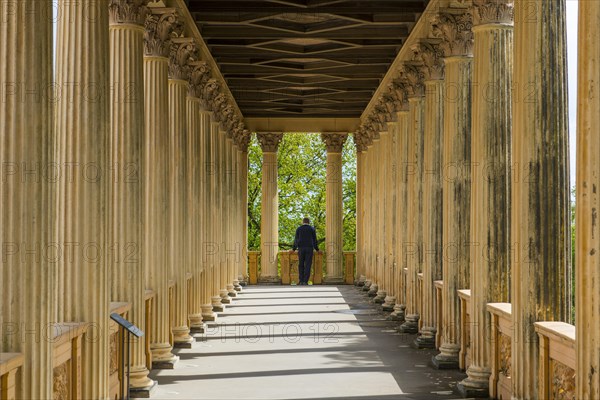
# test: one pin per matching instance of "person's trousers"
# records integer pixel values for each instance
(305, 256)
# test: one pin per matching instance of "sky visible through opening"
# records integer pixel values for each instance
(572, 19)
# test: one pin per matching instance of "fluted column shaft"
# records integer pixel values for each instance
(26, 203)
(269, 225)
(334, 208)
(243, 171)
(195, 199)
(213, 250)
(490, 192)
(156, 209)
(414, 238)
(125, 213)
(382, 226)
(360, 213)
(401, 210)
(391, 221)
(433, 144)
(588, 174)
(232, 247)
(177, 258)
(82, 129)
(456, 199)
(540, 196)
(207, 237)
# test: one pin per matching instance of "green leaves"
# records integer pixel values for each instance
(301, 179)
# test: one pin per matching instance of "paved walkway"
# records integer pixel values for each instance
(304, 342)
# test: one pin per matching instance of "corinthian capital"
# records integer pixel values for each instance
(243, 140)
(414, 77)
(360, 141)
(199, 75)
(182, 54)
(128, 11)
(430, 54)
(493, 12)
(269, 142)
(160, 25)
(455, 28)
(398, 92)
(334, 141)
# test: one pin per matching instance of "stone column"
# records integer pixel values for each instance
(243, 172)
(82, 146)
(588, 174)
(414, 203)
(490, 174)
(391, 236)
(159, 25)
(179, 70)
(26, 195)
(269, 226)
(125, 213)
(334, 214)
(382, 227)
(230, 215)
(360, 212)
(212, 248)
(454, 28)
(429, 52)
(540, 225)
(222, 214)
(208, 214)
(196, 125)
(401, 211)
(374, 217)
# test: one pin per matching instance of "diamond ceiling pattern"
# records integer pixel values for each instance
(304, 58)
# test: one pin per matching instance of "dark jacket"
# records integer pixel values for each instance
(306, 237)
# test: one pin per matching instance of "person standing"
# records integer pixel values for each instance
(305, 241)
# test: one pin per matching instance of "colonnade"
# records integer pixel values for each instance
(269, 226)
(126, 182)
(478, 111)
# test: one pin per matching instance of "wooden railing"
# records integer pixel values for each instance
(500, 379)
(464, 357)
(66, 363)
(10, 364)
(557, 360)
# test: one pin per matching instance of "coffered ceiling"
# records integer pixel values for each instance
(304, 58)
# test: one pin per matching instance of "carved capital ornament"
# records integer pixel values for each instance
(160, 26)
(493, 12)
(334, 141)
(128, 12)
(269, 142)
(455, 29)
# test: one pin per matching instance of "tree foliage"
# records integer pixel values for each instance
(301, 179)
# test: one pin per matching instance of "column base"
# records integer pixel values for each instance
(360, 281)
(398, 314)
(145, 392)
(373, 289)
(162, 358)
(217, 305)
(195, 321)
(477, 384)
(389, 303)
(224, 294)
(331, 280)
(426, 339)
(231, 290)
(380, 297)
(208, 313)
(269, 280)
(411, 325)
(198, 328)
(448, 357)
(367, 285)
(182, 338)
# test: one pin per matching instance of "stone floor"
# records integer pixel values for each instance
(304, 342)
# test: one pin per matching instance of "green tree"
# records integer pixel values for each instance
(301, 180)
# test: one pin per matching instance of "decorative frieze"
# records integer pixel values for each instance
(128, 11)
(159, 27)
(455, 28)
(493, 12)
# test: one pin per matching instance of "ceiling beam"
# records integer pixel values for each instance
(249, 31)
